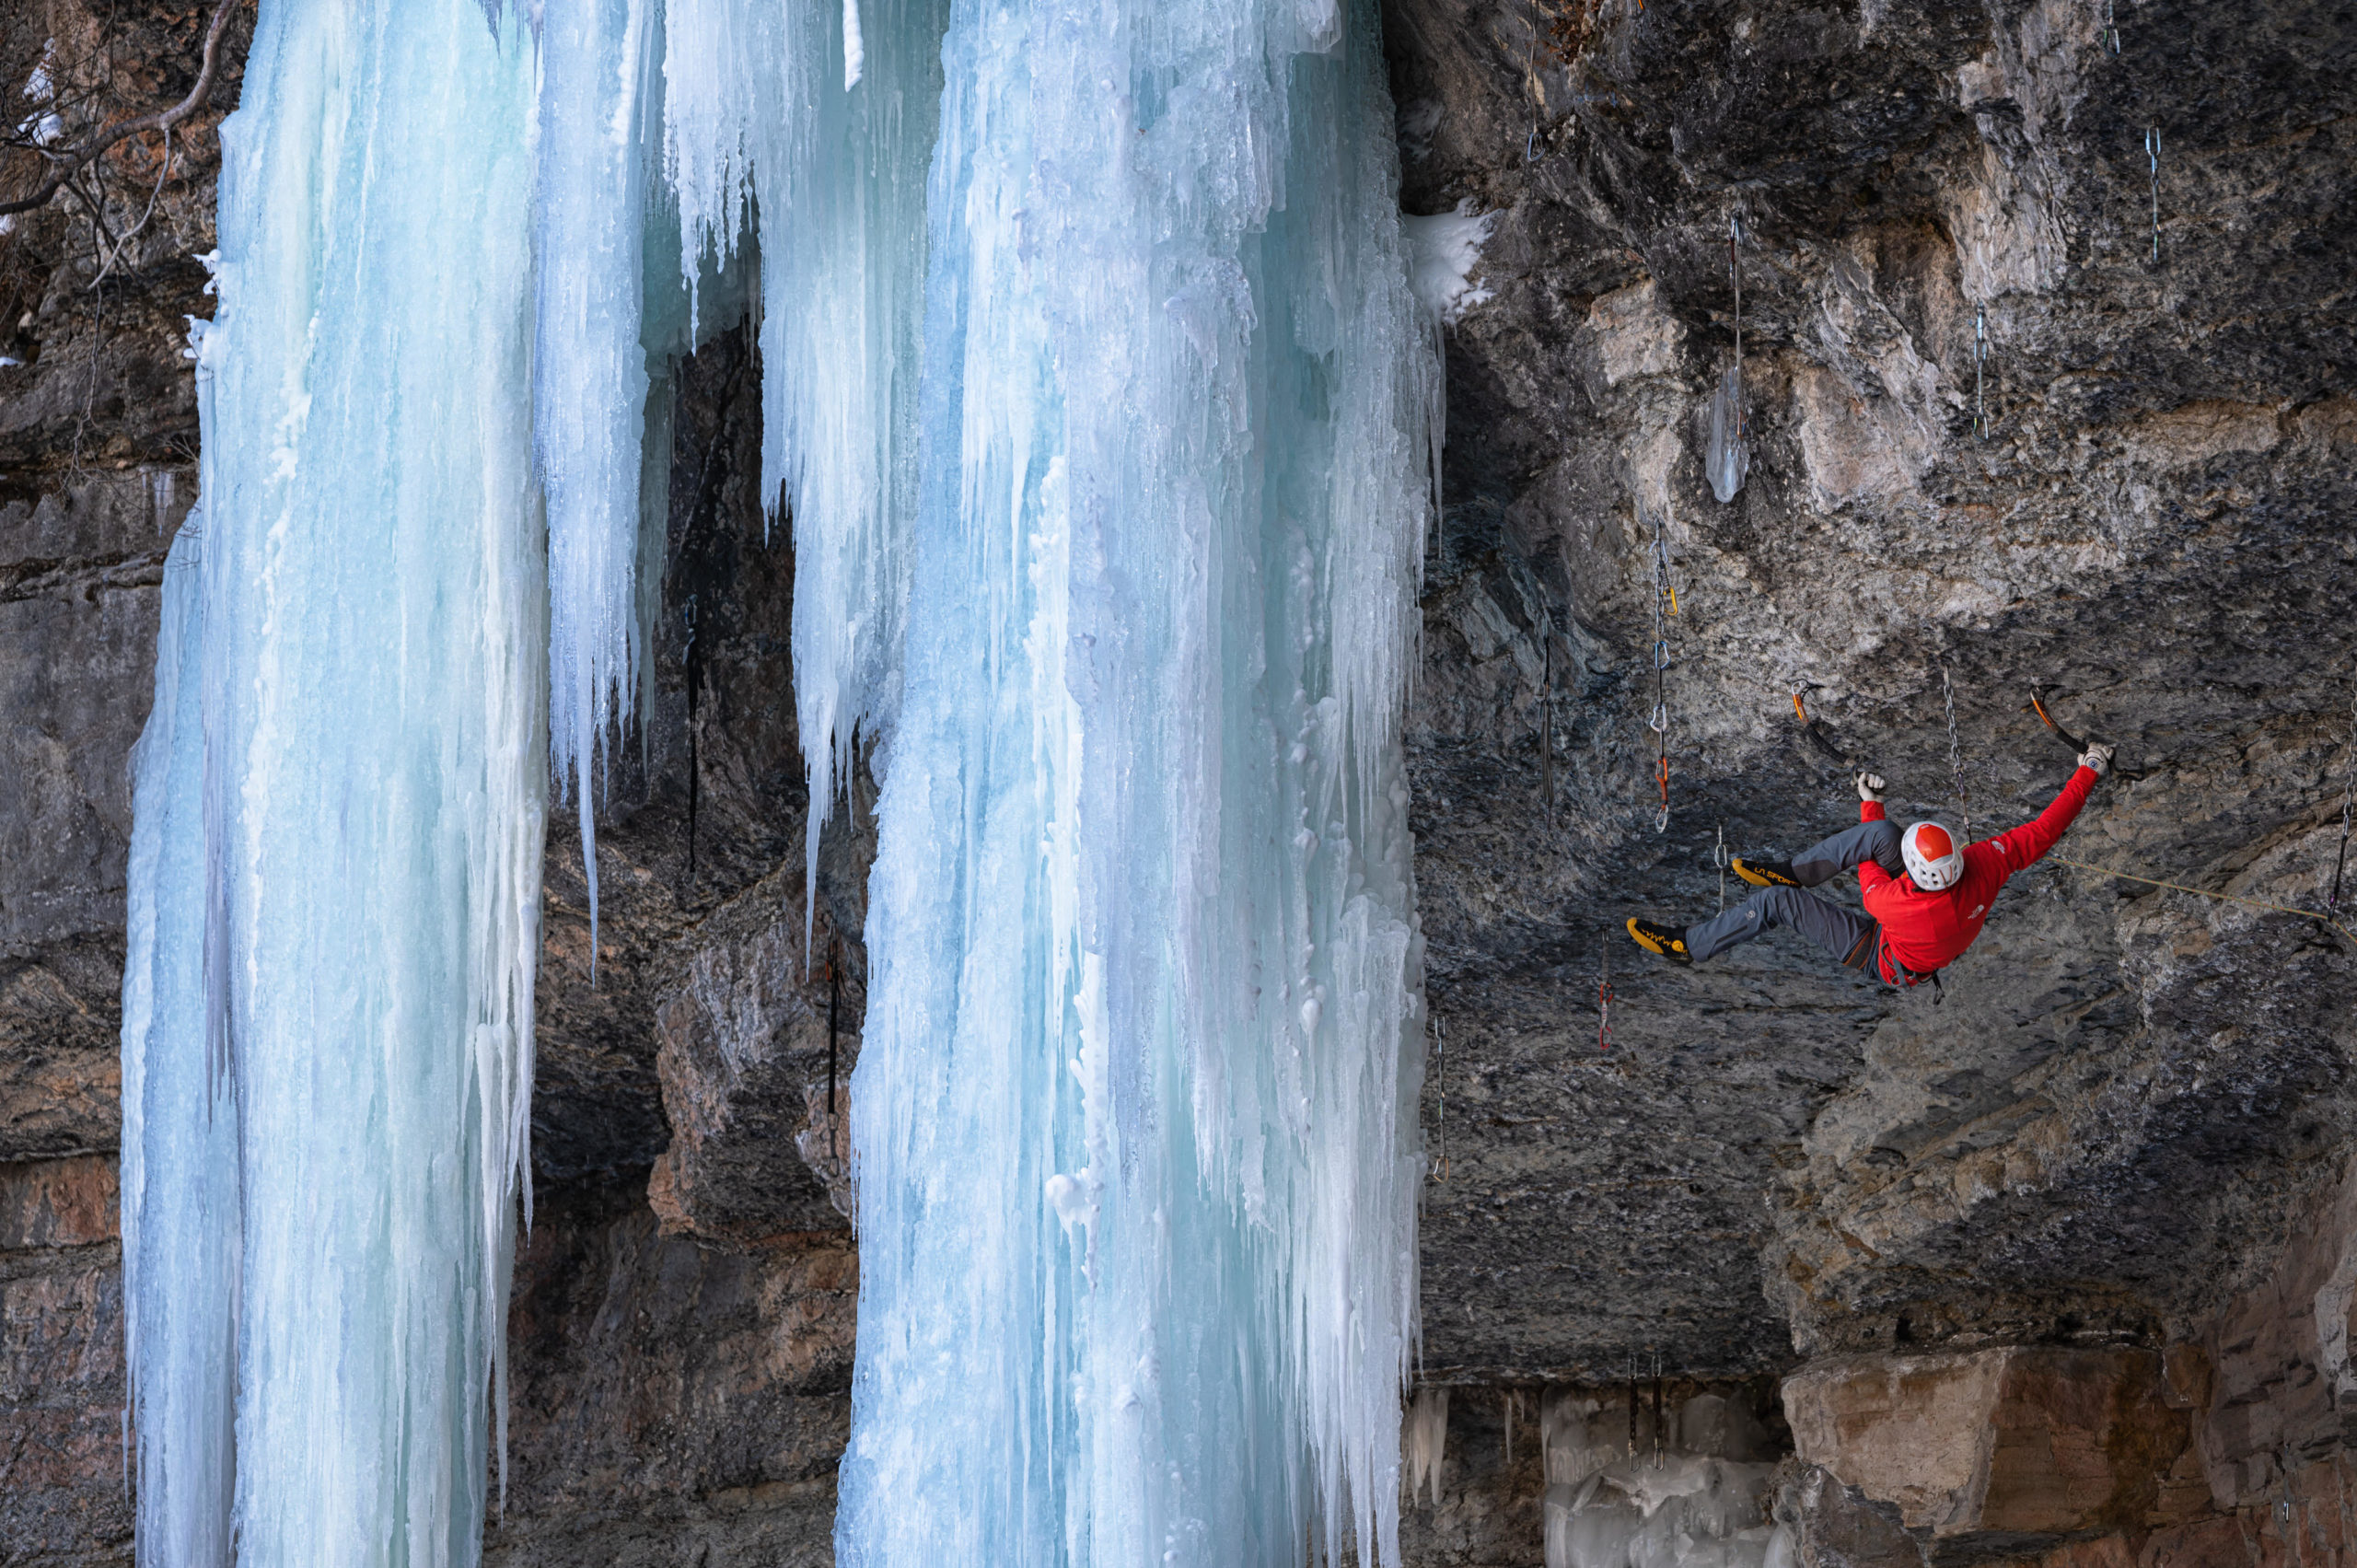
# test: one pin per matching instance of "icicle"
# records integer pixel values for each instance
(1427, 1440)
(373, 800)
(600, 93)
(1728, 457)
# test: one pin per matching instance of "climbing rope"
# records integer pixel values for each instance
(2206, 893)
(1955, 754)
(1664, 594)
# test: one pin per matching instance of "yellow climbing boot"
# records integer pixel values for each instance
(1668, 940)
(1766, 872)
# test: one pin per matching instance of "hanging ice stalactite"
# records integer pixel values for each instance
(595, 402)
(371, 605)
(1133, 1115)
(1728, 456)
(804, 130)
(180, 1119)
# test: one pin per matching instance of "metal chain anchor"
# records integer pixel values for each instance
(1955, 754)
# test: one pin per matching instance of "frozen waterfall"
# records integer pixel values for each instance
(1106, 421)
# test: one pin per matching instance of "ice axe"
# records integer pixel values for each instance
(2078, 747)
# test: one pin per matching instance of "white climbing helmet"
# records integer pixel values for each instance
(1934, 858)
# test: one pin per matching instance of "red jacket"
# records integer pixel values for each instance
(1928, 931)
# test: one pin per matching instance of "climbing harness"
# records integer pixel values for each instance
(2206, 893)
(1719, 859)
(1440, 1077)
(1955, 754)
(1663, 595)
(2152, 153)
(1604, 993)
(1979, 361)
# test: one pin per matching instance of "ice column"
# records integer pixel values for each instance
(359, 889)
(1134, 1117)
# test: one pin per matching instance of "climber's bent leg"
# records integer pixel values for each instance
(1822, 862)
(1846, 934)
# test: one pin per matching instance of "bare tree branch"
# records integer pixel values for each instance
(65, 165)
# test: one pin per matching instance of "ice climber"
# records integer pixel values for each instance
(1926, 896)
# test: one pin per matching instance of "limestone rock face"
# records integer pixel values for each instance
(2019, 1443)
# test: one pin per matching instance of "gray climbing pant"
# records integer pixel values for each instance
(1846, 934)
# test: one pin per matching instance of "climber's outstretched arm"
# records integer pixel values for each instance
(2025, 844)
